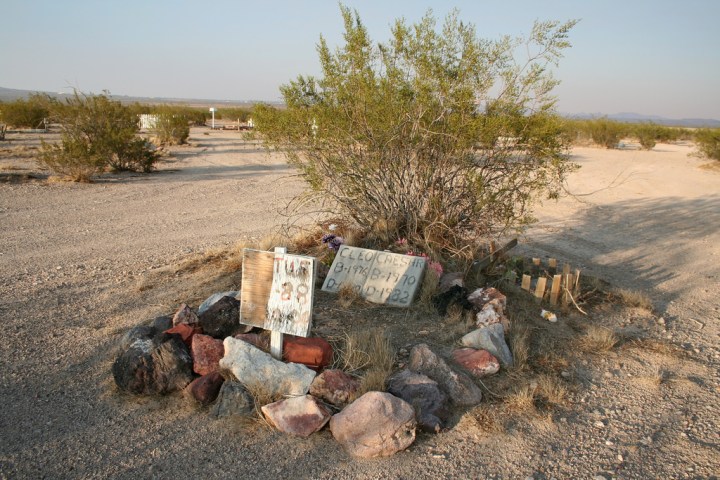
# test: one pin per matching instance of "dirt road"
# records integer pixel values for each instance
(72, 258)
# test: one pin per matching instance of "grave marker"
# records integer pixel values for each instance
(379, 277)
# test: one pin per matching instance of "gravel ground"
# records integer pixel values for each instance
(80, 264)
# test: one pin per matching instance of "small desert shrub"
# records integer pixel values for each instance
(646, 135)
(598, 339)
(368, 354)
(97, 132)
(635, 298)
(606, 132)
(171, 128)
(708, 143)
(30, 113)
(347, 295)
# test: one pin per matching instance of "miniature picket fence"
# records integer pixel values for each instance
(564, 287)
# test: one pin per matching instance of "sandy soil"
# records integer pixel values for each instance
(80, 264)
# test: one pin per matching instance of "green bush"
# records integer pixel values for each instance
(30, 113)
(707, 141)
(647, 134)
(171, 127)
(392, 137)
(97, 133)
(607, 133)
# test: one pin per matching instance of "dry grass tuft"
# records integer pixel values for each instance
(369, 354)
(429, 289)
(521, 399)
(656, 378)
(261, 396)
(552, 390)
(488, 419)
(597, 339)
(657, 346)
(347, 295)
(635, 298)
(520, 347)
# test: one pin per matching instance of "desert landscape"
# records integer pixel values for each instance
(81, 264)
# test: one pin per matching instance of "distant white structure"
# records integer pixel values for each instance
(250, 123)
(147, 121)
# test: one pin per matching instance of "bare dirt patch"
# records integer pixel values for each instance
(82, 263)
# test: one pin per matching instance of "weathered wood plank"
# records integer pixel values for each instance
(257, 275)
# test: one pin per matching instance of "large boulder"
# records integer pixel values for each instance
(335, 387)
(377, 424)
(300, 416)
(459, 387)
(222, 318)
(206, 353)
(258, 369)
(157, 365)
(204, 390)
(233, 400)
(141, 332)
(492, 339)
(424, 394)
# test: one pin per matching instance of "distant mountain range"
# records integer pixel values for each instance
(630, 117)
(10, 94)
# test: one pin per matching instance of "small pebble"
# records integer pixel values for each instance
(599, 424)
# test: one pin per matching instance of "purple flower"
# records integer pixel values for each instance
(333, 241)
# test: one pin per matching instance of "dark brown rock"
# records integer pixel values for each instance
(156, 365)
(335, 387)
(260, 341)
(222, 319)
(205, 389)
(233, 400)
(424, 394)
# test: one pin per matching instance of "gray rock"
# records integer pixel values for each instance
(210, 301)
(162, 323)
(184, 314)
(222, 318)
(141, 332)
(377, 424)
(233, 400)
(424, 394)
(459, 387)
(258, 369)
(156, 365)
(300, 416)
(451, 279)
(492, 339)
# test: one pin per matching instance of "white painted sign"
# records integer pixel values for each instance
(289, 307)
(379, 277)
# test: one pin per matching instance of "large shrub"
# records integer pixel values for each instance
(607, 133)
(707, 141)
(30, 113)
(97, 133)
(436, 135)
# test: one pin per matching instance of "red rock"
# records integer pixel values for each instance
(206, 353)
(205, 389)
(297, 415)
(478, 362)
(315, 353)
(185, 315)
(260, 341)
(187, 332)
(335, 387)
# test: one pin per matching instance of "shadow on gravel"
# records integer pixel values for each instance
(642, 243)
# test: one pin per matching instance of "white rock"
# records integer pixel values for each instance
(258, 370)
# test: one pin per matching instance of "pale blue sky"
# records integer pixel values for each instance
(652, 57)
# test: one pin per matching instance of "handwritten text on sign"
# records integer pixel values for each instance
(379, 277)
(289, 308)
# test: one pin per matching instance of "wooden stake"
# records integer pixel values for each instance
(555, 289)
(276, 338)
(567, 284)
(525, 285)
(552, 263)
(540, 288)
(566, 269)
(576, 288)
(536, 261)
